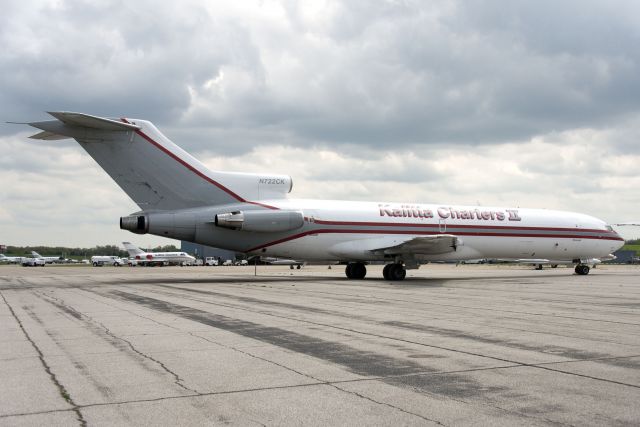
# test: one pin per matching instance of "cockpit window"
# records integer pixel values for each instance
(608, 227)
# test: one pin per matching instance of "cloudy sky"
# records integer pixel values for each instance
(520, 103)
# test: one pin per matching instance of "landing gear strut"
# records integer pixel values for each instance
(356, 270)
(582, 269)
(394, 272)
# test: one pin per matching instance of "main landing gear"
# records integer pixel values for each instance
(582, 269)
(356, 270)
(394, 272)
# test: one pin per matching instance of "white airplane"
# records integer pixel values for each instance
(280, 261)
(47, 259)
(554, 263)
(11, 259)
(181, 198)
(157, 258)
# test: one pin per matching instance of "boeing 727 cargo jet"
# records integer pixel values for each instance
(180, 198)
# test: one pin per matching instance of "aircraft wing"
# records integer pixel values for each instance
(423, 245)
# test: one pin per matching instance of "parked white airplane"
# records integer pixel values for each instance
(157, 258)
(554, 263)
(47, 259)
(280, 261)
(11, 259)
(181, 198)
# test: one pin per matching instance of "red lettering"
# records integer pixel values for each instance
(443, 213)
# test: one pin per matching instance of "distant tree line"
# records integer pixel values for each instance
(80, 253)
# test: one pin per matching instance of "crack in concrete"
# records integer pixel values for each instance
(57, 302)
(318, 380)
(449, 388)
(404, 340)
(54, 379)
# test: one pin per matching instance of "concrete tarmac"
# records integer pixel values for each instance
(482, 345)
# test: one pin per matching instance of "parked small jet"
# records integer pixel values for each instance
(539, 263)
(281, 261)
(158, 258)
(181, 198)
(11, 259)
(48, 259)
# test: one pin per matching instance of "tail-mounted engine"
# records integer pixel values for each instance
(261, 221)
(135, 223)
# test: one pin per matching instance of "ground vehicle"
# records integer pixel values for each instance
(211, 261)
(227, 262)
(242, 262)
(100, 260)
(132, 261)
(33, 262)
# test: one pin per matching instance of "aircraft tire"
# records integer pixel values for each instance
(299, 267)
(582, 269)
(397, 272)
(347, 271)
(356, 270)
(539, 267)
(385, 271)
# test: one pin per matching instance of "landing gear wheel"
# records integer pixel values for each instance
(582, 269)
(385, 271)
(539, 267)
(356, 270)
(299, 267)
(394, 272)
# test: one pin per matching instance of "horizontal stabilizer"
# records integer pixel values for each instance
(93, 122)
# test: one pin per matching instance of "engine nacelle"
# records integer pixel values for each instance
(261, 221)
(135, 223)
(180, 225)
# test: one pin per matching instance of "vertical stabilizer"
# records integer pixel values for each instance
(132, 249)
(155, 172)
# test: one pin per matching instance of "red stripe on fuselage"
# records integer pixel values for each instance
(426, 233)
(196, 171)
(452, 225)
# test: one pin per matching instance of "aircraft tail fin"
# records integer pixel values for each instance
(155, 172)
(132, 249)
(36, 254)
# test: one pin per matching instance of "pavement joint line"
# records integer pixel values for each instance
(64, 307)
(412, 342)
(258, 389)
(297, 372)
(121, 308)
(337, 313)
(318, 380)
(54, 379)
(471, 308)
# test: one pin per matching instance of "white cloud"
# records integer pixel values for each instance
(531, 104)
